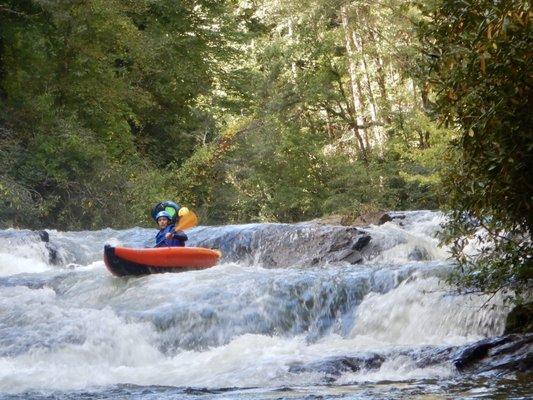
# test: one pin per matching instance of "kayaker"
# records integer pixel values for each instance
(167, 237)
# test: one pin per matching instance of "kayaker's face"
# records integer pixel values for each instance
(162, 222)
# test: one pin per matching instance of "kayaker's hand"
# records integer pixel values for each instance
(179, 232)
(169, 235)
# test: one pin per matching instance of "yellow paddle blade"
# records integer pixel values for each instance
(187, 221)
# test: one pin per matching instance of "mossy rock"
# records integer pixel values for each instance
(520, 319)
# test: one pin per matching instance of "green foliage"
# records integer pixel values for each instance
(99, 98)
(196, 177)
(279, 168)
(419, 153)
(245, 111)
(301, 159)
(479, 64)
(201, 181)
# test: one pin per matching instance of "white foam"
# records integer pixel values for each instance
(423, 311)
(83, 327)
(398, 369)
(12, 264)
(69, 347)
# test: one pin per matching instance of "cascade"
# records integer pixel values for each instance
(293, 309)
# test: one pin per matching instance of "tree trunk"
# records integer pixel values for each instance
(369, 98)
(361, 95)
(382, 83)
(293, 64)
(352, 71)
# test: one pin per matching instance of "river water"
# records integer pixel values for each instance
(268, 322)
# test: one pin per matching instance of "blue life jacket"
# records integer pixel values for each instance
(178, 239)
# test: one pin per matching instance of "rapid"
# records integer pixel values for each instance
(292, 311)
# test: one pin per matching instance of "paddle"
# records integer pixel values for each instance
(187, 221)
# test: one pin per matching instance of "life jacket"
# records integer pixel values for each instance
(178, 239)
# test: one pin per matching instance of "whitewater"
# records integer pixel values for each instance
(292, 311)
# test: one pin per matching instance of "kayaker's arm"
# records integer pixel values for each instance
(177, 235)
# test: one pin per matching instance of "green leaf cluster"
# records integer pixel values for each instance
(97, 99)
(478, 57)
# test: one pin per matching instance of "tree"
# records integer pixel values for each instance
(477, 55)
(101, 96)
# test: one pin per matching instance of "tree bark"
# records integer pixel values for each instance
(369, 99)
(352, 71)
(382, 82)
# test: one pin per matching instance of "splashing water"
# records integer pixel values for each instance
(255, 326)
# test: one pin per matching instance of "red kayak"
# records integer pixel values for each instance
(122, 261)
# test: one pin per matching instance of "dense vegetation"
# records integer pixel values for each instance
(99, 99)
(243, 110)
(480, 67)
(271, 111)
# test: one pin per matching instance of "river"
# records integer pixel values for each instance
(289, 313)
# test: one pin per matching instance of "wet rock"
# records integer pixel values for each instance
(335, 366)
(53, 251)
(354, 257)
(27, 237)
(510, 353)
(429, 356)
(506, 354)
(361, 242)
(45, 237)
(520, 319)
(284, 245)
(364, 219)
(390, 216)
(476, 352)
(418, 254)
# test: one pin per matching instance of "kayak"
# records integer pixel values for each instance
(122, 261)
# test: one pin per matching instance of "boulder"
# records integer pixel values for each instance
(520, 319)
(390, 216)
(509, 353)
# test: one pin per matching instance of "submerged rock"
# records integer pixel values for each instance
(28, 237)
(503, 355)
(333, 367)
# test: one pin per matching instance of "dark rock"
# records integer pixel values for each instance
(387, 217)
(520, 319)
(418, 254)
(509, 353)
(361, 242)
(45, 237)
(53, 252)
(430, 356)
(384, 218)
(476, 352)
(353, 258)
(335, 366)
(505, 354)
(340, 245)
(284, 245)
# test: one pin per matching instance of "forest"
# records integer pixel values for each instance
(272, 111)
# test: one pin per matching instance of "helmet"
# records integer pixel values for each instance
(163, 214)
(169, 206)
